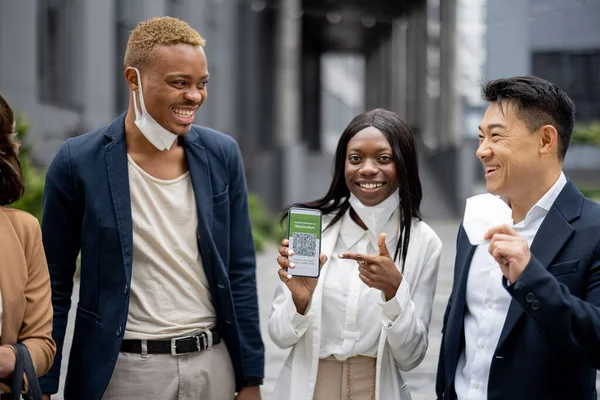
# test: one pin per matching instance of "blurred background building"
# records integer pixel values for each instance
(288, 75)
(558, 40)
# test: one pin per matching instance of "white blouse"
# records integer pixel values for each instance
(352, 313)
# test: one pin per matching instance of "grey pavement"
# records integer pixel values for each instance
(421, 380)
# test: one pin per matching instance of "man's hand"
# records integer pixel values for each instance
(378, 270)
(249, 393)
(510, 250)
(7, 361)
(45, 396)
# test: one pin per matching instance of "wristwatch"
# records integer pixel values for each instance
(253, 381)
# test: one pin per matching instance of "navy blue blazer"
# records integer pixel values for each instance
(87, 207)
(549, 347)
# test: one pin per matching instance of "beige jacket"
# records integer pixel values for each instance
(25, 287)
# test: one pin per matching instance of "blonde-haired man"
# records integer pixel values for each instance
(158, 209)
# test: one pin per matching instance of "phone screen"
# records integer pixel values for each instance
(304, 234)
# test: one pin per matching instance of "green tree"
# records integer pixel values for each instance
(586, 134)
(33, 176)
(265, 225)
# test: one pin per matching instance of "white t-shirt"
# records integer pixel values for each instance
(170, 296)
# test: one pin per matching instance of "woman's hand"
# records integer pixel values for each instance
(378, 271)
(302, 288)
(7, 361)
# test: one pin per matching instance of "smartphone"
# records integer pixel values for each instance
(304, 235)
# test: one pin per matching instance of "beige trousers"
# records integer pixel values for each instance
(205, 375)
(352, 379)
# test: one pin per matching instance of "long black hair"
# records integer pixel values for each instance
(404, 149)
(11, 175)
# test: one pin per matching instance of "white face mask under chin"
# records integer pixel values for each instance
(375, 217)
(157, 135)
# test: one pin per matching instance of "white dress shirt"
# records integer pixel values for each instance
(488, 303)
(352, 313)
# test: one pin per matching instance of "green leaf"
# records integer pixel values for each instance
(33, 177)
(586, 134)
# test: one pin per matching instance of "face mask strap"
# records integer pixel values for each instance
(142, 105)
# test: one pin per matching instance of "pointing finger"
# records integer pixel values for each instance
(357, 257)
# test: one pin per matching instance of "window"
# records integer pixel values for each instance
(578, 73)
(58, 65)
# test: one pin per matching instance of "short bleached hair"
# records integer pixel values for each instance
(155, 32)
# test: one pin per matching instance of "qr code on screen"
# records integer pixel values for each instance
(305, 244)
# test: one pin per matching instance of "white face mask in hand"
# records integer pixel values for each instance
(375, 217)
(157, 135)
(482, 213)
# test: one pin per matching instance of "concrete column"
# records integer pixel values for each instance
(99, 63)
(450, 109)
(288, 49)
(226, 66)
(377, 75)
(400, 68)
(370, 79)
(201, 15)
(387, 76)
(419, 114)
(311, 100)
(428, 41)
(288, 101)
(70, 57)
(249, 102)
(418, 60)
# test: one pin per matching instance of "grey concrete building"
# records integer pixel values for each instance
(286, 77)
(558, 40)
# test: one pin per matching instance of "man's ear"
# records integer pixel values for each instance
(548, 140)
(131, 78)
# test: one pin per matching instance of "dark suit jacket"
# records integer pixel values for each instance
(549, 347)
(87, 207)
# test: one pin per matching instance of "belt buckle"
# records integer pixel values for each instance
(198, 344)
(204, 340)
(174, 345)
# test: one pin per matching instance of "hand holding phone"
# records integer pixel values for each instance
(300, 267)
(301, 288)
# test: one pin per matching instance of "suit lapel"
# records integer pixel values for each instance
(454, 326)
(199, 167)
(118, 179)
(197, 161)
(553, 234)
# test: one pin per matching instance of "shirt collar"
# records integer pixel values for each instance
(543, 205)
(351, 233)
